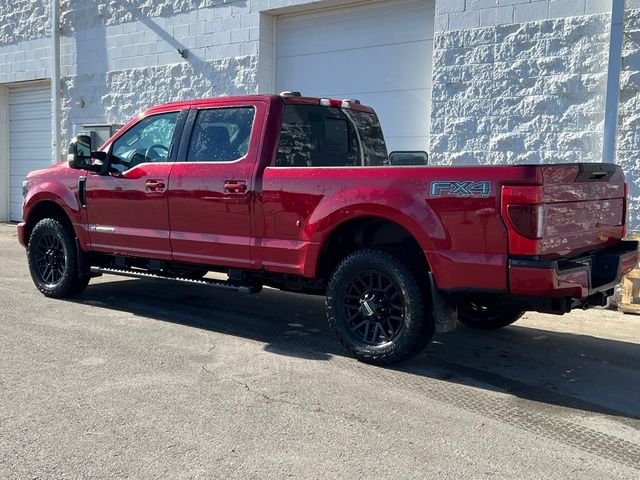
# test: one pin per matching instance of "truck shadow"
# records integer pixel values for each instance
(569, 370)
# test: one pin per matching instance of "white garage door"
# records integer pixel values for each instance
(29, 138)
(380, 53)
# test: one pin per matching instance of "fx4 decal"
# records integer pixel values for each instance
(465, 188)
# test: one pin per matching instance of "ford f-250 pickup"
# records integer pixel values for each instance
(298, 193)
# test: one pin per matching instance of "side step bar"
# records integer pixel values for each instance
(97, 271)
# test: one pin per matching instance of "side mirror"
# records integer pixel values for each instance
(409, 158)
(80, 154)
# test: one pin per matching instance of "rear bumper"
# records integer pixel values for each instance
(578, 278)
(21, 234)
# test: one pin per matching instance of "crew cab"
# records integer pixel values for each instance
(299, 194)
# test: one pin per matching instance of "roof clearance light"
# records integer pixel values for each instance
(330, 102)
(347, 102)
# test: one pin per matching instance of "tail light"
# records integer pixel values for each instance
(523, 212)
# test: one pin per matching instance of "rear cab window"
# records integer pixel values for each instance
(320, 136)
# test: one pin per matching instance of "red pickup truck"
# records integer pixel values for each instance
(299, 194)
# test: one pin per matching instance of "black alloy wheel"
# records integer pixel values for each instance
(53, 260)
(50, 259)
(376, 308)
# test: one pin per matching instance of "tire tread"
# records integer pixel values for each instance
(71, 283)
(422, 329)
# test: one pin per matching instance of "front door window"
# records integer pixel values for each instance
(147, 141)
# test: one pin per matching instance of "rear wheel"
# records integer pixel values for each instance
(486, 313)
(53, 260)
(375, 307)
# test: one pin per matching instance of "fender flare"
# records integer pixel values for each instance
(65, 199)
(324, 222)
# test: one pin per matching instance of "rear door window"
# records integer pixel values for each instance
(221, 134)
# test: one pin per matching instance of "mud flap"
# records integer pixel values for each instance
(84, 266)
(445, 308)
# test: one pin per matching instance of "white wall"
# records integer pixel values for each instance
(4, 153)
(460, 14)
(628, 147)
(25, 60)
(523, 81)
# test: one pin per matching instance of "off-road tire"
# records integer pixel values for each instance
(51, 243)
(416, 328)
(487, 314)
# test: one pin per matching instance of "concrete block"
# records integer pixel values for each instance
(480, 4)
(249, 48)
(511, 2)
(254, 33)
(487, 17)
(504, 15)
(566, 8)
(450, 6)
(239, 36)
(259, 5)
(223, 10)
(460, 21)
(599, 6)
(530, 12)
(441, 23)
(182, 31)
(221, 38)
(250, 20)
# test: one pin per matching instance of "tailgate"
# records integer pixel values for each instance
(583, 208)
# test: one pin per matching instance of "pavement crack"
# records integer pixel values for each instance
(307, 408)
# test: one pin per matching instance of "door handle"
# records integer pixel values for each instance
(154, 185)
(235, 186)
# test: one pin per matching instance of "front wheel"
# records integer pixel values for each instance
(485, 313)
(53, 260)
(376, 308)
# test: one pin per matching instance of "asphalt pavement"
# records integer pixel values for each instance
(150, 379)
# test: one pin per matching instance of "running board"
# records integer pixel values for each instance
(205, 281)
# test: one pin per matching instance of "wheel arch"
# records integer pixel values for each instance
(46, 209)
(373, 232)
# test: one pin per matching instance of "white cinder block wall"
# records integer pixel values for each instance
(530, 91)
(513, 80)
(523, 81)
(628, 154)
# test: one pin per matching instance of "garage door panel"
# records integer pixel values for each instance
(30, 100)
(16, 207)
(36, 116)
(29, 138)
(363, 27)
(410, 106)
(25, 139)
(379, 53)
(395, 69)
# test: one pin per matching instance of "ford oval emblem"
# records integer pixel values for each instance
(591, 192)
